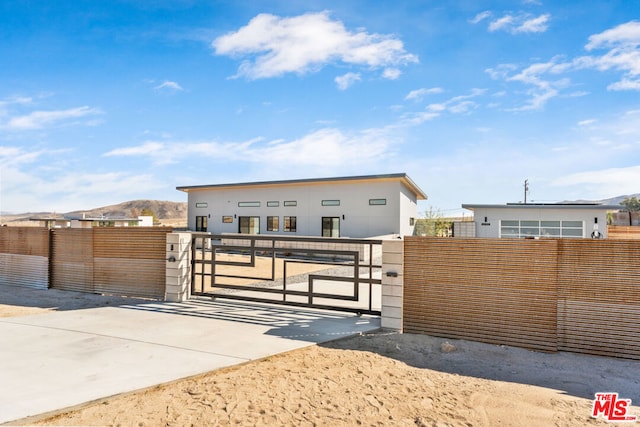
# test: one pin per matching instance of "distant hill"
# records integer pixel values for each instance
(162, 209)
(168, 213)
(612, 201)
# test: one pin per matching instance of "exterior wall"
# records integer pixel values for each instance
(408, 212)
(357, 218)
(491, 227)
(579, 295)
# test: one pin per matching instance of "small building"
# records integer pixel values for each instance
(86, 222)
(355, 206)
(536, 220)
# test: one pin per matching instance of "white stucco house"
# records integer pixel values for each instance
(539, 220)
(354, 206)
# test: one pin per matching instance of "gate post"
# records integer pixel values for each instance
(178, 284)
(392, 283)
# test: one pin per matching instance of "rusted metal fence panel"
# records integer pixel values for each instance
(72, 260)
(599, 297)
(122, 261)
(24, 257)
(485, 290)
(130, 261)
(622, 232)
(571, 295)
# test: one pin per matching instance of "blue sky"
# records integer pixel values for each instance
(107, 101)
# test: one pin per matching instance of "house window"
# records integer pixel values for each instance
(535, 228)
(249, 224)
(227, 219)
(289, 203)
(331, 203)
(290, 223)
(272, 223)
(273, 204)
(201, 223)
(248, 204)
(201, 204)
(377, 202)
(330, 226)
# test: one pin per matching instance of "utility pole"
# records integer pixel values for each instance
(526, 190)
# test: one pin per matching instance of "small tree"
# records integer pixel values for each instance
(149, 212)
(433, 224)
(631, 204)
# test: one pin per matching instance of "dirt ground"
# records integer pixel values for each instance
(384, 378)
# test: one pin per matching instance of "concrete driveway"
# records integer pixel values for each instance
(60, 359)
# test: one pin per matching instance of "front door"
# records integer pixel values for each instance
(249, 225)
(330, 226)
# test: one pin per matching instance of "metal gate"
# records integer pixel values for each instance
(335, 274)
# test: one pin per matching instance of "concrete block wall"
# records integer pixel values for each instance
(178, 263)
(392, 283)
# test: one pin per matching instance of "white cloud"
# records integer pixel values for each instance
(391, 73)
(40, 119)
(521, 23)
(534, 25)
(317, 149)
(275, 46)
(457, 105)
(418, 94)
(169, 86)
(625, 84)
(623, 44)
(148, 148)
(586, 122)
(627, 34)
(501, 23)
(346, 80)
(480, 17)
(601, 182)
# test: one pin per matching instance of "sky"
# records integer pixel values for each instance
(103, 102)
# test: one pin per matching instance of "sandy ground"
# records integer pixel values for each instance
(383, 378)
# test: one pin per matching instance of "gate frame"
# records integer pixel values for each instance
(207, 246)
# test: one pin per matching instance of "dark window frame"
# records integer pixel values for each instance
(271, 225)
(202, 223)
(328, 231)
(290, 224)
(248, 227)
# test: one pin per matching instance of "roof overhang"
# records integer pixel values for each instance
(579, 206)
(402, 177)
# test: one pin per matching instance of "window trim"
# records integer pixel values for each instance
(290, 219)
(248, 204)
(535, 228)
(204, 223)
(270, 226)
(377, 202)
(324, 218)
(250, 217)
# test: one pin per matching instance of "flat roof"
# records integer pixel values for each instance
(403, 177)
(471, 206)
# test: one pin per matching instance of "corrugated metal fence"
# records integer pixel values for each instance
(571, 295)
(124, 261)
(24, 257)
